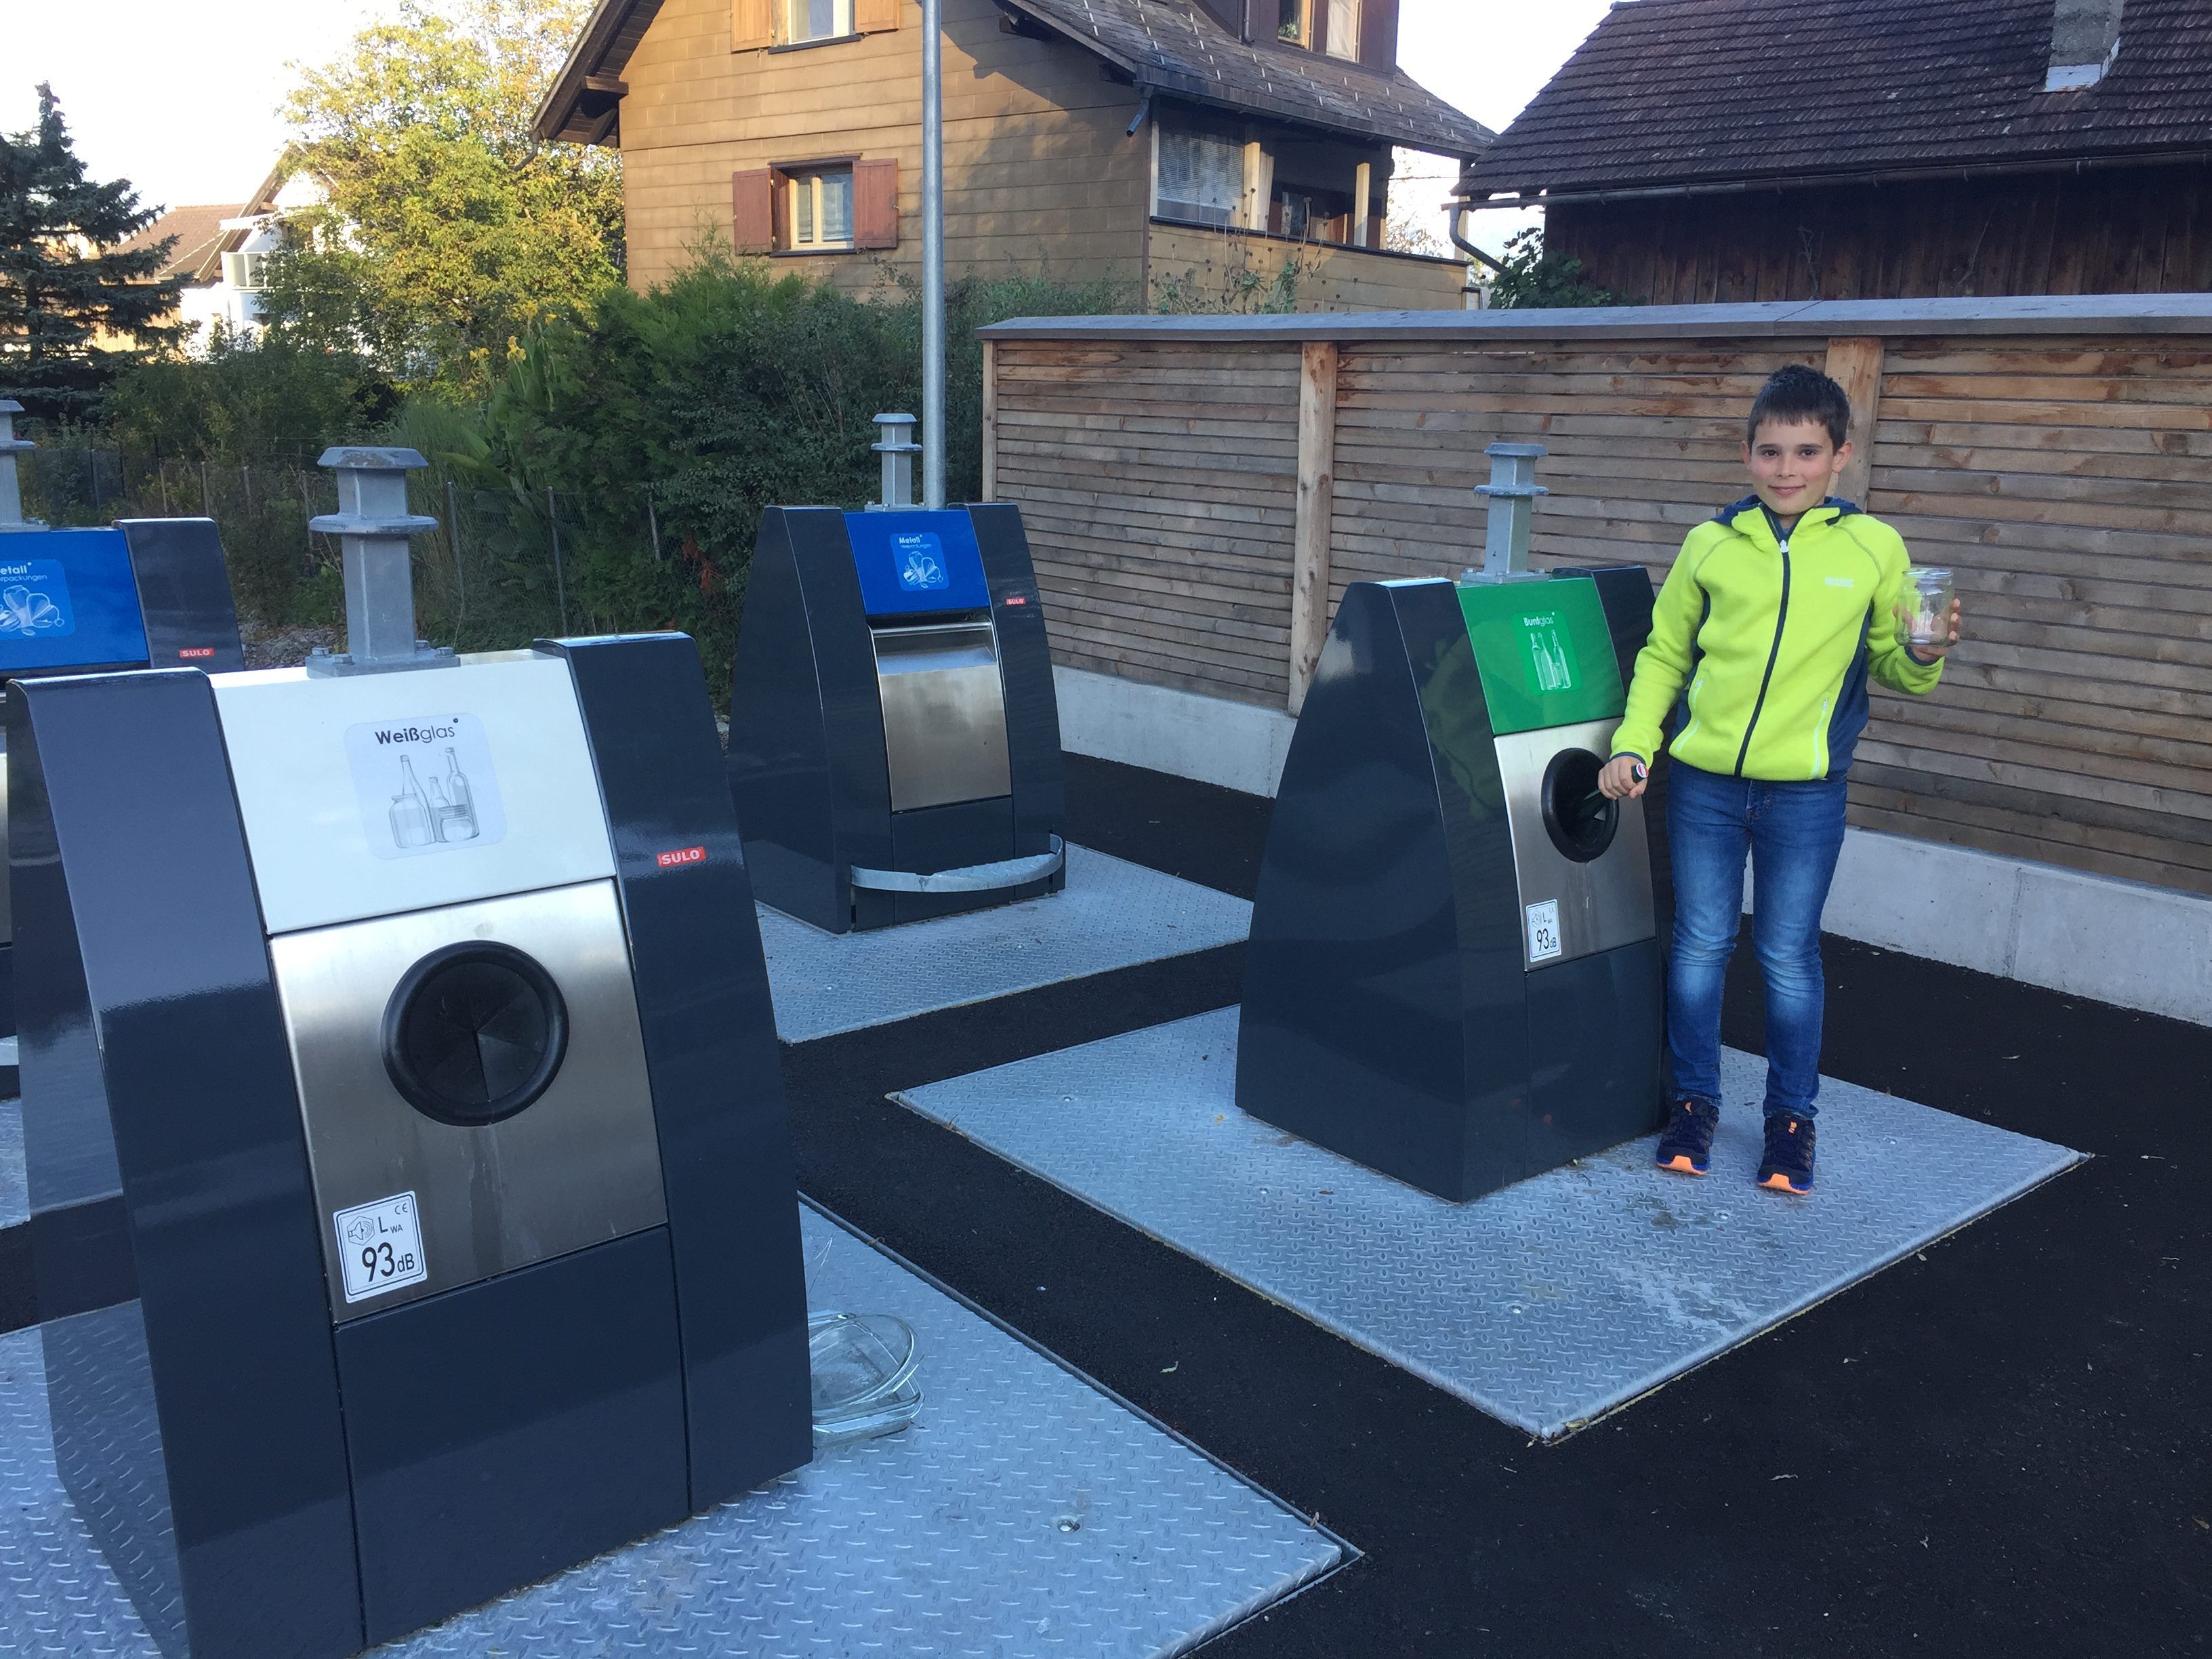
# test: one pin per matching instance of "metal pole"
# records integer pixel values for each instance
(932, 254)
(454, 543)
(560, 580)
(1512, 492)
(11, 498)
(373, 528)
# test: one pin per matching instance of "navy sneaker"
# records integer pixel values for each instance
(1788, 1165)
(1687, 1146)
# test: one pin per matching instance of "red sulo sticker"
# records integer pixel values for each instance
(1018, 598)
(191, 651)
(683, 855)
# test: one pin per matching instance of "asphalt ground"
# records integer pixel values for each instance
(1997, 1446)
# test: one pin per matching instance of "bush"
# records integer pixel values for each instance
(1531, 279)
(249, 400)
(673, 418)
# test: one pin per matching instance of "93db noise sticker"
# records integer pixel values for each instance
(1544, 932)
(380, 1247)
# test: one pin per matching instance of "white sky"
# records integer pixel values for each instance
(183, 100)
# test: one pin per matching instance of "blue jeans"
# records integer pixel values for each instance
(1793, 832)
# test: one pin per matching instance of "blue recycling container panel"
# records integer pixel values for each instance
(911, 563)
(68, 599)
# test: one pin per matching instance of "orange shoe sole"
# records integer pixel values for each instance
(1681, 1165)
(1780, 1183)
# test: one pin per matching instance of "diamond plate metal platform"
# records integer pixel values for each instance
(1545, 1305)
(1025, 1512)
(1112, 915)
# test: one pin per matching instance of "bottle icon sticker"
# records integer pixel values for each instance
(425, 785)
(920, 558)
(1546, 654)
(34, 600)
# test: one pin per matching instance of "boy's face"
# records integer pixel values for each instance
(1794, 464)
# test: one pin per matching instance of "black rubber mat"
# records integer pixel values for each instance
(1999, 1446)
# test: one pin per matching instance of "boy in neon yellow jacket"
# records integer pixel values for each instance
(1776, 613)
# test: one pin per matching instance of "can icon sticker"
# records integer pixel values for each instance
(425, 785)
(34, 600)
(920, 558)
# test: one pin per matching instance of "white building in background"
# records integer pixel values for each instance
(222, 252)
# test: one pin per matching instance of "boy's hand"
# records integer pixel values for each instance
(1933, 650)
(1623, 778)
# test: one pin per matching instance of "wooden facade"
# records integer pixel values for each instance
(1041, 171)
(1199, 492)
(1044, 174)
(2138, 230)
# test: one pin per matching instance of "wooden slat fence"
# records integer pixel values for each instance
(2057, 453)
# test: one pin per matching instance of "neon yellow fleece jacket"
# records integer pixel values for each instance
(1768, 641)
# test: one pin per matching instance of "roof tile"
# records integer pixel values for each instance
(1173, 46)
(1669, 92)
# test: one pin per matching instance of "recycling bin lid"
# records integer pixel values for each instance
(68, 599)
(1544, 653)
(917, 563)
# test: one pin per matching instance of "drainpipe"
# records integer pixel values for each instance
(1460, 211)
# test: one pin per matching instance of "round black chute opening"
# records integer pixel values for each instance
(1581, 821)
(474, 1033)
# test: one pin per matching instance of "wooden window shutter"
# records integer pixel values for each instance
(875, 204)
(1378, 33)
(873, 17)
(753, 216)
(752, 24)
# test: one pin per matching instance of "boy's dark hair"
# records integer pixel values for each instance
(1800, 393)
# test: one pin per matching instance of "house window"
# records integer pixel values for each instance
(1343, 28)
(1297, 26)
(818, 208)
(1201, 177)
(246, 272)
(1312, 215)
(815, 19)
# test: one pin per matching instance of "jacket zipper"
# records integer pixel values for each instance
(1781, 617)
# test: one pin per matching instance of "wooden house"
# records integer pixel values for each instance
(1702, 151)
(1196, 150)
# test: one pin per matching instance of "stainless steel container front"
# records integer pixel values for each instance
(945, 713)
(579, 1166)
(1602, 904)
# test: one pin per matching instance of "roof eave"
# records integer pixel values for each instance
(1198, 90)
(1481, 195)
(601, 32)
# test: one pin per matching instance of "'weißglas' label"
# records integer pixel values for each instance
(425, 785)
(380, 1247)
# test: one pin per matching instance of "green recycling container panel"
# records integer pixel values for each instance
(1543, 652)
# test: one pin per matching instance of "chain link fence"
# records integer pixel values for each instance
(503, 567)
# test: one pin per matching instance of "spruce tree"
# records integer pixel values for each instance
(63, 284)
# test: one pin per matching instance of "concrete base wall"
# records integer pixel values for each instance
(2093, 936)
